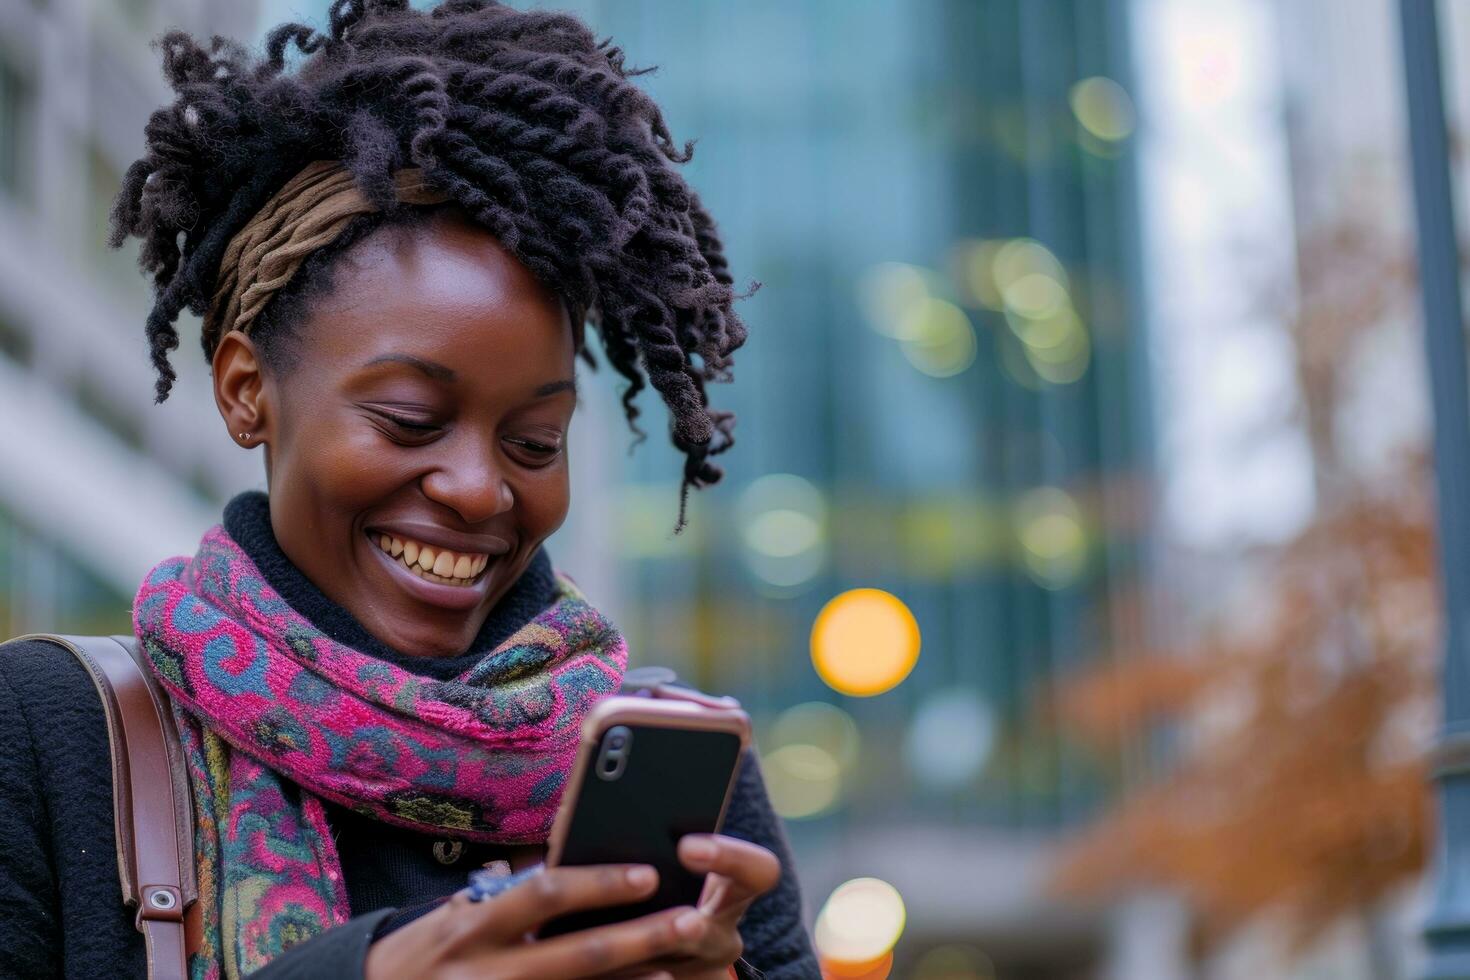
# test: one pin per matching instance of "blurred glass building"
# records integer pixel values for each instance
(944, 397)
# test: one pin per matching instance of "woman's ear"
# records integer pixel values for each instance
(239, 390)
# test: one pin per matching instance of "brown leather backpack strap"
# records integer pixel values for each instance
(152, 808)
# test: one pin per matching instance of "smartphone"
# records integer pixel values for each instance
(648, 771)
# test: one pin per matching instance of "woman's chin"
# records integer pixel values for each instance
(420, 617)
(424, 636)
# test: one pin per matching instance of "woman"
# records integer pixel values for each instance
(376, 672)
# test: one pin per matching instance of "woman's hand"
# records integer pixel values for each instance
(462, 938)
(739, 873)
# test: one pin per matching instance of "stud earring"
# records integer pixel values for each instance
(244, 437)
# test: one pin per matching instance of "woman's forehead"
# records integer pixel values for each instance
(438, 287)
(446, 258)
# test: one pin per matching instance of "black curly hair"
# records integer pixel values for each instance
(525, 120)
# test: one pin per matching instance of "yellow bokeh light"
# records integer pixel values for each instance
(1099, 148)
(1103, 108)
(802, 780)
(783, 533)
(1057, 346)
(864, 642)
(783, 526)
(890, 292)
(1021, 257)
(824, 725)
(860, 923)
(811, 747)
(1063, 363)
(1035, 295)
(1052, 536)
(938, 339)
(1045, 332)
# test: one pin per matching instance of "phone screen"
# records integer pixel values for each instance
(644, 787)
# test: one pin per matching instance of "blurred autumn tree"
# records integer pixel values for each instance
(1296, 722)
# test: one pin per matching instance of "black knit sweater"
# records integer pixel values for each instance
(61, 912)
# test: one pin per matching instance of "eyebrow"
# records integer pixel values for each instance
(432, 368)
(552, 387)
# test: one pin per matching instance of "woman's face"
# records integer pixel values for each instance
(416, 445)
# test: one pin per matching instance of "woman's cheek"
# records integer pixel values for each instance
(355, 465)
(543, 500)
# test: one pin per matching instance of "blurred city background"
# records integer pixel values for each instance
(1076, 560)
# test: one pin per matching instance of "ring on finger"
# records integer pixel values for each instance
(485, 883)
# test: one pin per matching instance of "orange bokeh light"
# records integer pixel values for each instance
(864, 642)
(872, 970)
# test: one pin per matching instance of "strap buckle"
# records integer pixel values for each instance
(161, 902)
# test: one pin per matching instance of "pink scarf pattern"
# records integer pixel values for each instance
(275, 716)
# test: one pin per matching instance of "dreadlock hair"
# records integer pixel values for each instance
(525, 121)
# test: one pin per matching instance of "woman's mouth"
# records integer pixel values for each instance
(438, 565)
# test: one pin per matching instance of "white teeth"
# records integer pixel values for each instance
(434, 565)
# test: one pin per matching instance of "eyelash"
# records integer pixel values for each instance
(544, 455)
(410, 425)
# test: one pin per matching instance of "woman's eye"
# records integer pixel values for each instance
(535, 450)
(408, 425)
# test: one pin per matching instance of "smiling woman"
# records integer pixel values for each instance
(376, 672)
(378, 436)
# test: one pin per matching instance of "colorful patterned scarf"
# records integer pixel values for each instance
(275, 716)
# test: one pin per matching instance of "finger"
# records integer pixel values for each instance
(716, 893)
(550, 893)
(751, 869)
(608, 949)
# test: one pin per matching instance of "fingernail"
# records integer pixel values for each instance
(699, 848)
(689, 925)
(642, 876)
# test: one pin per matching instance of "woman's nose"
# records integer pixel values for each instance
(474, 487)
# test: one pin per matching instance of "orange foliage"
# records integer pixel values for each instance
(1298, 725)
(1301, 782)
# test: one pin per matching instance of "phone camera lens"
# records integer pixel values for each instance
(614, 755)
